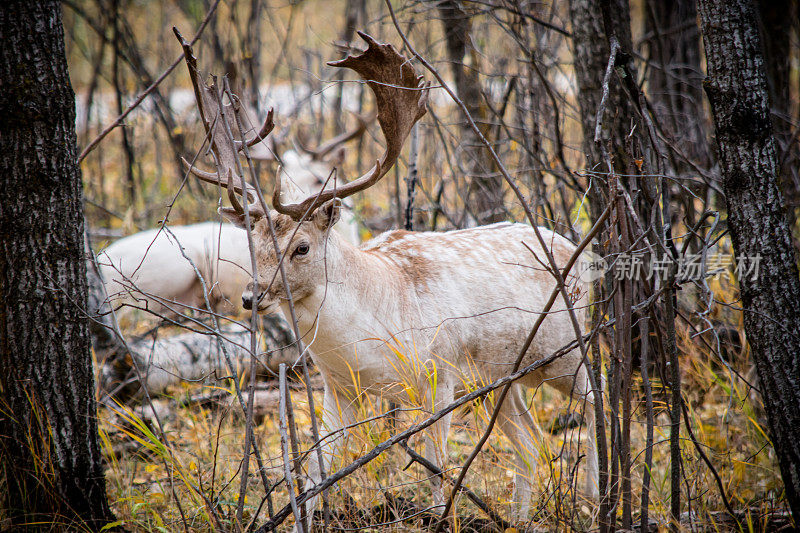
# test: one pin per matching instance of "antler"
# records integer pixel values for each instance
(220, 121)
(330, 145)
(401, 98)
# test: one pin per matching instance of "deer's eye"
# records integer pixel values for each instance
(302, 249)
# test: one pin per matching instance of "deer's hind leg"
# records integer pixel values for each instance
(575, 384)
(436, 437)
(517, 425)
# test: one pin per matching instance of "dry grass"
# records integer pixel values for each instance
(198, 463)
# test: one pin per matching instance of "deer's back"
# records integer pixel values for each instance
(154, 262)
(479, 291)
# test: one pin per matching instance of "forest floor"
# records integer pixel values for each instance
(170, 477)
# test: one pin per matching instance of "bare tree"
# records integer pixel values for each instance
(49, 451)
(485, 195)
(737, 89)
(675, 75)
(592, 51)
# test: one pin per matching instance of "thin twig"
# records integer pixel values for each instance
(287, 465)
(604, 99)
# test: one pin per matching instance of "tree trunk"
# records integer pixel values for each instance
(737, 89)
(591, 52)
(485, 195)
(778, 20)
(675, 77)
(49, 450)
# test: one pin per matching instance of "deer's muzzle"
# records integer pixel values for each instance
(262, 300)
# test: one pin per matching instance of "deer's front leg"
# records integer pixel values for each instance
(436, 437)
(337, 414)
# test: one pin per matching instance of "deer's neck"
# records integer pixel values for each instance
(364, 297)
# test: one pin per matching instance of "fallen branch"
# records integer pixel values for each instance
(477, 500)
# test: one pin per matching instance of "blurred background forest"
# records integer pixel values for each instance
(531, 76)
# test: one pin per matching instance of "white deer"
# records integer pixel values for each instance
(459, 304)
(149, 269)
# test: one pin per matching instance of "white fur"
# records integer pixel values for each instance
(148, 268)
(457, 305)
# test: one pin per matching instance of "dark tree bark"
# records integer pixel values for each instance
(594, 23)
(591, 51)
(778, 20)
(49, 452)
(737, 89)
(485, 195)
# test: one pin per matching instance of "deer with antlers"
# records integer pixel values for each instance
(156, 268)
(413, 316)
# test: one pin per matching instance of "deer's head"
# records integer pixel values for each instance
(302, 230)
(302, 247)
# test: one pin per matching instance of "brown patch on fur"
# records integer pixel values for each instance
(395, 235)
(419, 271)
(282, 224)
(407, 256)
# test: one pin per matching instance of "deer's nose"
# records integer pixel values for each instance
(247, 300)
(251, 299)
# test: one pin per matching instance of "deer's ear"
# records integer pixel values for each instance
(328, 214)
(236, 217)
(232, 216)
